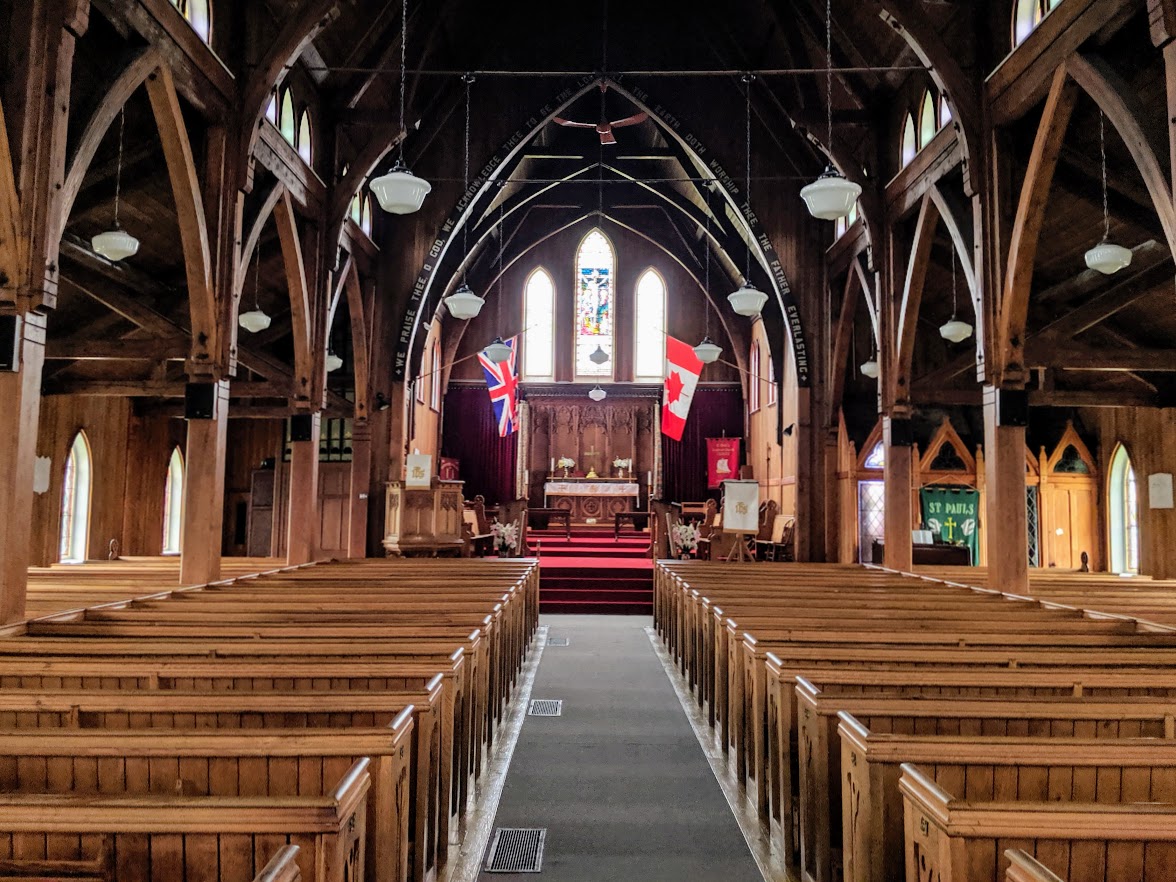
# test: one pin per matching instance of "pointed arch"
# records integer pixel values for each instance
(173, 504)
(271, 109)
(947, 435)
(539, 325)
(11, 259)
(649, 326)
(928, 120)
(300, 318)
(1123, 508)
(251, 241)
(365, 217)
(186, 190)
(912, 297)
(842, 341)
(596, 263)
(360, 344)
(74, 534)
(286, 116)
(909, 145)
(305, 138)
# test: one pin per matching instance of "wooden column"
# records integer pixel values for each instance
(204, 492)
(304, 523)
(809, 536)
(361, 483)
(1006, 526)
(20, 400)
(834, 518)
(896, 434)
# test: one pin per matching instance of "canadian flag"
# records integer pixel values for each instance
(682, 371)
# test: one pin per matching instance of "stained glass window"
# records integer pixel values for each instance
(649, 361)
(75, 502)
(877, 457)
(909, 146)
(595, 269)
(928, 123)
(286, 120)
(871, 517)
(1027, 15)
(197, 14)
(173, 503)
(305, 147)
(539, 326)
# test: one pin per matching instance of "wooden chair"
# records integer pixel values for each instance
(476, 529)
(515, 512)
(665, 515)
(778, 544)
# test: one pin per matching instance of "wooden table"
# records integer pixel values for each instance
(553, 514)
(640, 521)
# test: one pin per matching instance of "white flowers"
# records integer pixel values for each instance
(506, 537)
(685, 536)
(619, 463)
(565, 462)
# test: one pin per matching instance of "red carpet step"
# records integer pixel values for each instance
(594, 572)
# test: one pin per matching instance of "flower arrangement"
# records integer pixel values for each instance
(685, 536)
(506, 537)
(619, 463)
(565, 463)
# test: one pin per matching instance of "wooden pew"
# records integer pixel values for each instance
(952, 840)
(1023, 868)
(224, 763)
(282, 867)
(175, 838)
(1036, 769)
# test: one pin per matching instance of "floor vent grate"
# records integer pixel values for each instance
(545, 707)
(516, 851)
(558, 641)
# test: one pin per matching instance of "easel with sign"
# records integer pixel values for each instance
(740, 516)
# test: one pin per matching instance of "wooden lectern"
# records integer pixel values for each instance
(423, 522)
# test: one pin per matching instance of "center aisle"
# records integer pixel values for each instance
(619, 781)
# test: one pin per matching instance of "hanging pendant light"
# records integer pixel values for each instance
(953, 329)
(707, 351)
(597, 394)
(400, 191)
(116, 244)
(498, 351)
(333, 362)
(255, 320)
(599, 356)
(870, 368)
(831, 196)
(463, 304)
(1106, 257)
(747, 300)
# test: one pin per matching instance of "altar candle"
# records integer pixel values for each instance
(649, 479)
(553, 466)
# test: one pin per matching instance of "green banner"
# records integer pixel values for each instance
(952, 515)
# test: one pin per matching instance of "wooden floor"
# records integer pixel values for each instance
(72, 586)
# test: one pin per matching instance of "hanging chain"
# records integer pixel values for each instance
(953, 282)
(403, 69)
(706, 292)
(1102, 147)
(747, 78)
(829, 76)
(257, 275)
(465, 223)
(122, 122)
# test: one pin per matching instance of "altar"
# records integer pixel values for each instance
(592, 499)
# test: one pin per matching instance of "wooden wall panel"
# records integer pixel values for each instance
(250, 443)
(774, 463)
(150, 443)
(425, 423)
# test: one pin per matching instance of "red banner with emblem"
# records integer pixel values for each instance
(722, 461)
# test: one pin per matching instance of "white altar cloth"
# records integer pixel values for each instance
(590, 488)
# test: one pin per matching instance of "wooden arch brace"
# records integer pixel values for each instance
(843, 342)
(300, 318)
(186, 189)
(912, 298)
(11, 249)
(1014, 306)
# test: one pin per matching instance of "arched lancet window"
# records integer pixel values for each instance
(909, 145)
(1027, 15)
(75, 502)
(944, 112)
(1124, 509)
(271, 109)
(539, 325)
(772, 391)
(305, 142)
(649, 345)
(365, 218)
(595, 269)
(356, 212)
(198, 15)
(173, 503)
(753, 380)
(435, 379)
(844, 223)
(872, 505)
(928, 121)
(286, 120)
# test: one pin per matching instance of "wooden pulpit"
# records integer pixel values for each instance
(425, 521)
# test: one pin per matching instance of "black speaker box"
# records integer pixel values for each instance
(902, 434)
(1012, 407)
(300, 427)
(9, 342)
(200, 401)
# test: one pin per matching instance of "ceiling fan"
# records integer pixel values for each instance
(604, 128)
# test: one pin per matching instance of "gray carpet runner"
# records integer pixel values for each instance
(619, 780)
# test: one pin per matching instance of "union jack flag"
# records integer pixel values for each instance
(502, 382)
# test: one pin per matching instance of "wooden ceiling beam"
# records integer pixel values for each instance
(1144, 257)
(159, 349)
(1085, 358)
(1040, 398)
(160, 389)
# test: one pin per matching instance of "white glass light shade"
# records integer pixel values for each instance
(597, 394)
(748, 300)
(831, 196)
(955, 331)
(599, 356)
(400, 191)
(870, 369)
(333, 362)
(1108, 258)
(254, 321)
(497, 352)
(463, 304)
(115, 244)
(708, 351)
